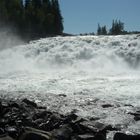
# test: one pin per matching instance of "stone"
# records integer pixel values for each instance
(2, 131)
(12, 131)
(85, 137)
(4, 104)
(43, 114)
(24, 120)
(100, 136)
(14, 104)
(137, 118)
(107, 105)
(63, 133)
(5, 137)
(62, 95)
(3, 121)
(30, 103)
(136, 115)
(70, 117)
(122, 136)
(35, 134)
(39, 121)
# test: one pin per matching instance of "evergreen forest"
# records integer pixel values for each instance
(32, 19)
(117, 28)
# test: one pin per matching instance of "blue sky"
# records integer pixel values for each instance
(82, 16)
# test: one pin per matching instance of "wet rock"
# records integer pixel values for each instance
(4, 104)
(107, 105)
(63, 133)
(43, 114)
(5, 137)
(70, 117)
(18, 119)
(94, 118)
(62, 95)
(122, 136)
(2, 131)
(35, 134)
(39, 121)
(83, 128)
(129, 105)
(42, 107)
(136, 115)
(137, 118)
(85, 137)
(97, 127)
(14, 104)
(12, 131)
(78, 120)
(0, 107)
(3, 121)
(30, 103)
(47, 126)
(100, 136)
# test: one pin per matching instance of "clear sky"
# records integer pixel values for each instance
(82, 16)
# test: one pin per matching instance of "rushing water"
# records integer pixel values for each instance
(77, 73)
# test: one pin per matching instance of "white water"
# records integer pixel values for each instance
(90, 70)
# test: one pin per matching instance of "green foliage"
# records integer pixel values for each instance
(32, 18)
(101, 30)
(117, 27)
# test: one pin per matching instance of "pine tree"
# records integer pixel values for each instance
(58, 20)
(99, 30)
(104, 30)
(3, 13)
(27, 3)
(117, 27)
(34, 18)
(36, 4)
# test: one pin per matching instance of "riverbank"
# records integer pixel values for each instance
(25, 120)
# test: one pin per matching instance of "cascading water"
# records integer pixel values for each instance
(89, 70)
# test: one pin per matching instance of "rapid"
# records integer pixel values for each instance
(77, 73)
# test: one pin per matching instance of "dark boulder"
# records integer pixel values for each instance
(63, 133)
(85, 137)
(12, 131)
(5, 137)
(107, 105)
(35, 134)
(29, 103)
(136, 115)
(122, 136)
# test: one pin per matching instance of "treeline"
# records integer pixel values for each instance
(32, 19)
(116, 29)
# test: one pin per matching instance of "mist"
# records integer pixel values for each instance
(9, 38)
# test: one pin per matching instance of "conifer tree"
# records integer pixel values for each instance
(3, 13)
(99, 30)
(117, 27)
(104, 30)
(58, 20)
(34, 18)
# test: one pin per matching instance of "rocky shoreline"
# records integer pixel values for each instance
(25, 120)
